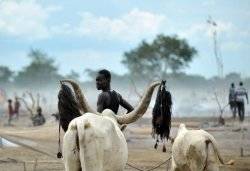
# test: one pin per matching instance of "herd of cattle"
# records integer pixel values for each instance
(95, 141)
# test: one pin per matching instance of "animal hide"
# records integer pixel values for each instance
(162, 113)
(67, 106)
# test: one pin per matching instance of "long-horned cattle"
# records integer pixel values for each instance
(94, 141)
(190, 151)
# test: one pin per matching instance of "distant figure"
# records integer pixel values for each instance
(241, 93)
(39, 118)
(11, 111)
(231, 100)
(16, 107)
(109, 99)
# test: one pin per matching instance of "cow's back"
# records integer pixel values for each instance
(102, 145)
(106, 136)
(188, 150)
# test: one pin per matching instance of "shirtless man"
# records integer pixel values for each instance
(11, 111)
(16, 107)
(109, 99)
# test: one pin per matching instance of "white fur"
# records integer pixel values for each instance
(102, 145)
(189, 151)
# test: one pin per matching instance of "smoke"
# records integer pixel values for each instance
(188, 100)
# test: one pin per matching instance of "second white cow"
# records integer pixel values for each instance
(190, 151)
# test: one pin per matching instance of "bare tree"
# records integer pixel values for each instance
(135, 89)
(221, 120)
(32, 108)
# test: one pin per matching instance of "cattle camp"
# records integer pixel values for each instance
(124, 85)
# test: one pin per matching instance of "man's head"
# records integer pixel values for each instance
(241, 83)
(39, 110)
(103, 79)
(9, 101)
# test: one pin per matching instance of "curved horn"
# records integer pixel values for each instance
(141, 107)
(83, 104)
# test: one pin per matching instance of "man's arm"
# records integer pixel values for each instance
(100, 102)
(125, 104)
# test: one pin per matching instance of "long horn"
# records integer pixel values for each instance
(83, 104)
(141, 107)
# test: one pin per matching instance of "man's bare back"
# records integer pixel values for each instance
(109, 99)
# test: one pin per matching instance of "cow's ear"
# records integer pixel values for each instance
(123, 127)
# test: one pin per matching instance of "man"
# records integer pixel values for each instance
(231, 100)
(11, 111)
(240, 93)
(109, 99)
(16, 107)
(38, 119)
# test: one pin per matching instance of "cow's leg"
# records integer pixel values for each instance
(93, 155)
(173, 165)
(70, 151)
(197, 156)
(212, 166)
(91, 148)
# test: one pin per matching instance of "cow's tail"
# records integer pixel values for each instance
(80, 127)
(83, 125)
(211, 140)
(68, 107)
(206, 150)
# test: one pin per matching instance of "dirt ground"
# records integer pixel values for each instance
(38, 145)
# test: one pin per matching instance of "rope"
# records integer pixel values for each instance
(151, 168)
(59, 154)
(59, 137)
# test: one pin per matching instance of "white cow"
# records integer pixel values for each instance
(94, 141)
(190, 151)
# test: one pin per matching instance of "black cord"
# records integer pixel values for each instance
(59, 154)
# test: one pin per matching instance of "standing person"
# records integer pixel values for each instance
(241, 93)
(11, 111)
(109, 99)
(16, 107)
(231, 100)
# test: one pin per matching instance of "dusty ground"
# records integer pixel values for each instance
(39, 145)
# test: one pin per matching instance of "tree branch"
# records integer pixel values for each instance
(26, 105)
(135, 89)
(38, 100)
(32, 99)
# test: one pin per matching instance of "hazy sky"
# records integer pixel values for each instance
(82, 34)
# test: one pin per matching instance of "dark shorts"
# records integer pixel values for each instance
(241, 110)
(232, 103)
